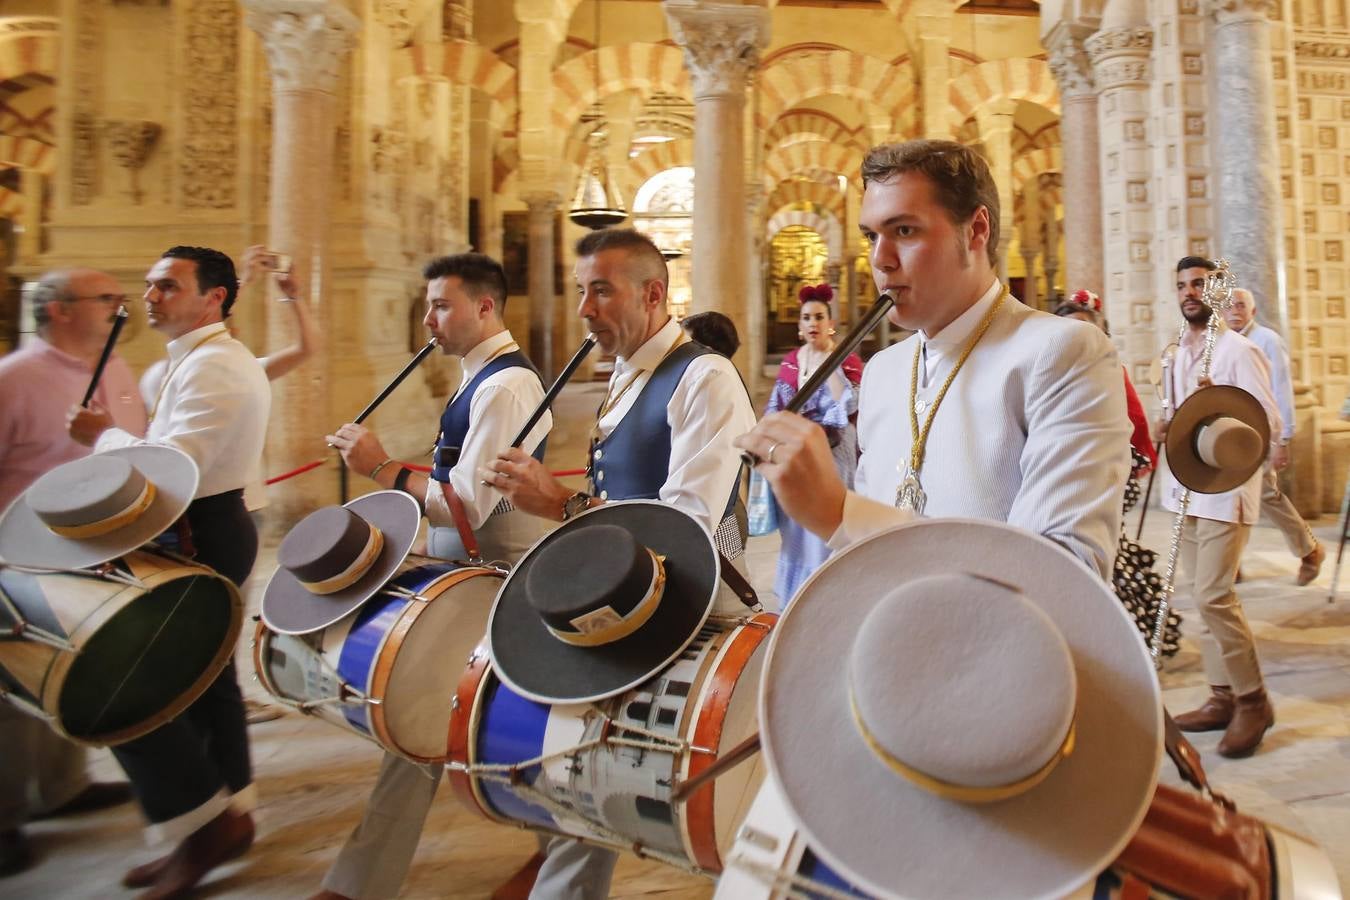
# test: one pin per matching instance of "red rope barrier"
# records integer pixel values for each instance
(562, 473)
(294, 472)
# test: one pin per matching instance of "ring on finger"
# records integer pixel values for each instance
(769, 455)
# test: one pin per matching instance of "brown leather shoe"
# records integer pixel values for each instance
(1214, 715)
(1252, 717)
(227, 836)
(1311, 564)
(519, 885)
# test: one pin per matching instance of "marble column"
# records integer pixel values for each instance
(306, 42)
(721, 46)
(1048, 185)
(931, 38)
(30, 240)
(755, 338)
(995, 120)
(1120, 57)
(1030, 295)
(543, 218)
(1246, 154)
(1082, 161)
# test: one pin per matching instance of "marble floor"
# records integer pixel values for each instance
(313, 777)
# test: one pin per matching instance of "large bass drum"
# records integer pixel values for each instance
(112, 653)
(387, 671)
(604, 772)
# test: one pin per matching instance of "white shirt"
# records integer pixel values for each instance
(213, 406)
(1032, 432)
(1236, 361)
(709, 409)
(1277, 354)
(498, 410)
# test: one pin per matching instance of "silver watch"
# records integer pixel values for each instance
(576, 504)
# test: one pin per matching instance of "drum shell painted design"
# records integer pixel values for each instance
(403, 655)
(700, 699)
(155, 645)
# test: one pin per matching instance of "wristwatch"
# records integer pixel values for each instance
(576, 504)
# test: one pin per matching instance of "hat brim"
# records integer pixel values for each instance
(891, 838)
(290, 608)
(535, 664)
(1199, 408)
(26, 541)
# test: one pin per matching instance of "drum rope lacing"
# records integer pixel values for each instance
(796, 886)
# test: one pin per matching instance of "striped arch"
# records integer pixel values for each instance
(664, 156)
(646, 68)
(466, 63)
(29, 46)
(888, 91)
(816, 125)
(1037, 162)
(795, 191)
(825, 226)
(783, 162)
(1028, 80)
(26, 153)
(11, 204)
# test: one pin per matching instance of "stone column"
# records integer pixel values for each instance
(721, 46)
(1120, 57)
(543, 216)
(1030, 243)
(1082, 162)
(931, 37)
(1048, 185)
(306, 42)
(30, 241)
(1030, 295)
(1251, 232)
(995, 120)
(756, 336)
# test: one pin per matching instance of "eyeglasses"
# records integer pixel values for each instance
(109, 299)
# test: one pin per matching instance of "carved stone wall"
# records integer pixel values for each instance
(208, 159)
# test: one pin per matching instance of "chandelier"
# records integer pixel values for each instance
(596, 204)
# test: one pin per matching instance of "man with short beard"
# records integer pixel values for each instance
(1216, 529)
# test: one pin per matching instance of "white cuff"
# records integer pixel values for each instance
(864, 518)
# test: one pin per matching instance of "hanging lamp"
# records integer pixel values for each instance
(596, 204)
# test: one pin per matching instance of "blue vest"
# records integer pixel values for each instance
(633, 461)
(455, 419)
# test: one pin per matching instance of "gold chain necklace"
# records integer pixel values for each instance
(910, 494)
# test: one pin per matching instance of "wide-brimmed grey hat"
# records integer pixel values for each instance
(92, 510)
(337, 558)
(961, 709)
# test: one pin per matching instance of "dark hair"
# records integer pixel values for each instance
(713, 330)
(960, 177)
(640, 248)
(1195, 262)
(53, 286)
(479, 273)
(214, 269)
(1068, 308)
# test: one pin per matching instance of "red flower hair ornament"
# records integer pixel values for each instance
(818, 293)
(1086, 299)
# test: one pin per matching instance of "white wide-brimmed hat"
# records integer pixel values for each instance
(1217, 439)
(961, 709)
(92, 510)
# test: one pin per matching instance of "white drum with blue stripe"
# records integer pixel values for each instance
(388, 671)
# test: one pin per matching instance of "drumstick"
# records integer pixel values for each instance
(119, 319)
(563, 377)
(734, 757)
(836, 358)
(398, 379)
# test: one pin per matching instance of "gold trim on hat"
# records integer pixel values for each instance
(111, 523)
(352, 574)
(610, 626)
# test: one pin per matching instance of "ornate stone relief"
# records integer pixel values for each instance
(26, 25)
(306, 41)
(88, 28)
(1072, 69)
(1321, 50)
(721, 45)
(1118, 39)
(457, 20)
(130, 141)
(396, 15)
(1239, 10)
(209, 164)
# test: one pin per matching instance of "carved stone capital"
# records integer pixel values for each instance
(305, 40)
(1130, 39)
(1071, 67)
(1120, 56)
(397, 16)
(721, 44)
(131, 140)
(1229, 11)
(542, 203)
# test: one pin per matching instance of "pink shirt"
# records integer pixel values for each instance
(38, 385)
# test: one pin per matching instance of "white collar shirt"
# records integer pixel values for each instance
(499, 409)
(708, 410)
(212, 403)
(947, 344)
(1238, 362)
(1277, 354)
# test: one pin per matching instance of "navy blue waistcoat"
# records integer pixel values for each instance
(455, 419)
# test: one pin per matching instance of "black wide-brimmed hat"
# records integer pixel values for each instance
(1217, 439)
(92, 510)
(337, 558)
(603, 603)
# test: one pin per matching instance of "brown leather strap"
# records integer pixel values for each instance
(1187, 760)
(186, 546)
(736, 581)
(461, 522)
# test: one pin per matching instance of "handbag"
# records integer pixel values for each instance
(761, 508)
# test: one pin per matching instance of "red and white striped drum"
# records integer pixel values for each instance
(604, 772)
(388, 671)
(771, 860)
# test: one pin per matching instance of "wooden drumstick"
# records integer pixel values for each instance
(734, 757)
(398, 379)
(836, 358)
(563, 377)
(119, 320)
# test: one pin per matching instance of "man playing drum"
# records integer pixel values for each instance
(192, 776)
(74, 311)
(1034, 431)
(663, 432)
(500, 388)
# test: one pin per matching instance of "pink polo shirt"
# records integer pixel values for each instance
(38, 385)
